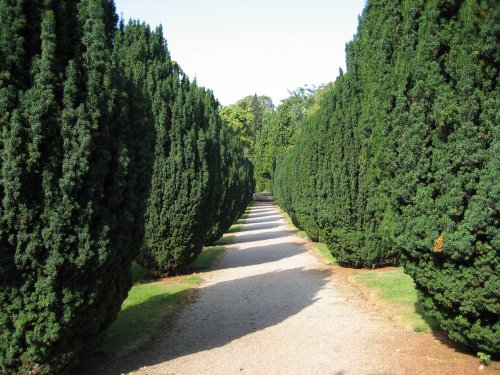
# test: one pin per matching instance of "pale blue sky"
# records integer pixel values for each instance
(239, 48)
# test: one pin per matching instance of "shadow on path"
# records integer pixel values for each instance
(255, 205)
(272, 214)
(242, 238)
(258, 226)
(264, 219)
(227, 311)
(263, 210)
(259, 255)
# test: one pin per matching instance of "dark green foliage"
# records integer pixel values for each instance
(448, 180)
(180, 175)
(200, 178)
(73, 181)
(402, 158)
(83, 115)
(323, 180)
(237, 172)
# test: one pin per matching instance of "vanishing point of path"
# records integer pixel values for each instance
(271, 307)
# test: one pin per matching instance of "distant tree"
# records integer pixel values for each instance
(247, 117)
(279, 131)
(260, 107)
(240, 120)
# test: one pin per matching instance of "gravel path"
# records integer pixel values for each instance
(270, 307)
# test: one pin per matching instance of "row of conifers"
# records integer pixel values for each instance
(400, 164)
(109, 153)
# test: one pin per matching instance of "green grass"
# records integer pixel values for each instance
(302, 234)
(228, 237)
(225, 240)
(325, 253)
(397, 291)
(243, 217)
(321, 247)
(208, 256)
(289, 221)
(394, 288)
(150, 301)
(144, 310)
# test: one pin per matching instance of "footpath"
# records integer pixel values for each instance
(271, 307)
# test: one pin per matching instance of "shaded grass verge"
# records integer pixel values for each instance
(150, 301)
(207, 258)
(147, 306)
(228, 237)
(326, 255)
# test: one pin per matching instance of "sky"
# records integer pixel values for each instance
(265, 47)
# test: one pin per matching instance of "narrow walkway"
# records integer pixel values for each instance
(270, 307)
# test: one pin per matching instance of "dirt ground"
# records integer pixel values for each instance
(271, 306)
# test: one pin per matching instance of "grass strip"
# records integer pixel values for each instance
(228, 237)
(208, 256)
(147, 305)
(326, 255)
(393, 288)
(300, 233)
(151, 301)
(398, 293)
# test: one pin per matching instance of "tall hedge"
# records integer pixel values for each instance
(73, 181)
(197, 189)
(447, 181)
(191, 195)
(328, 182)
(401, 159)
(238, 184)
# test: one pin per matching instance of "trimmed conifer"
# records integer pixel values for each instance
(189, 200)
(70, 189)
(401, 159)
(447, 180)
(238, 184)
